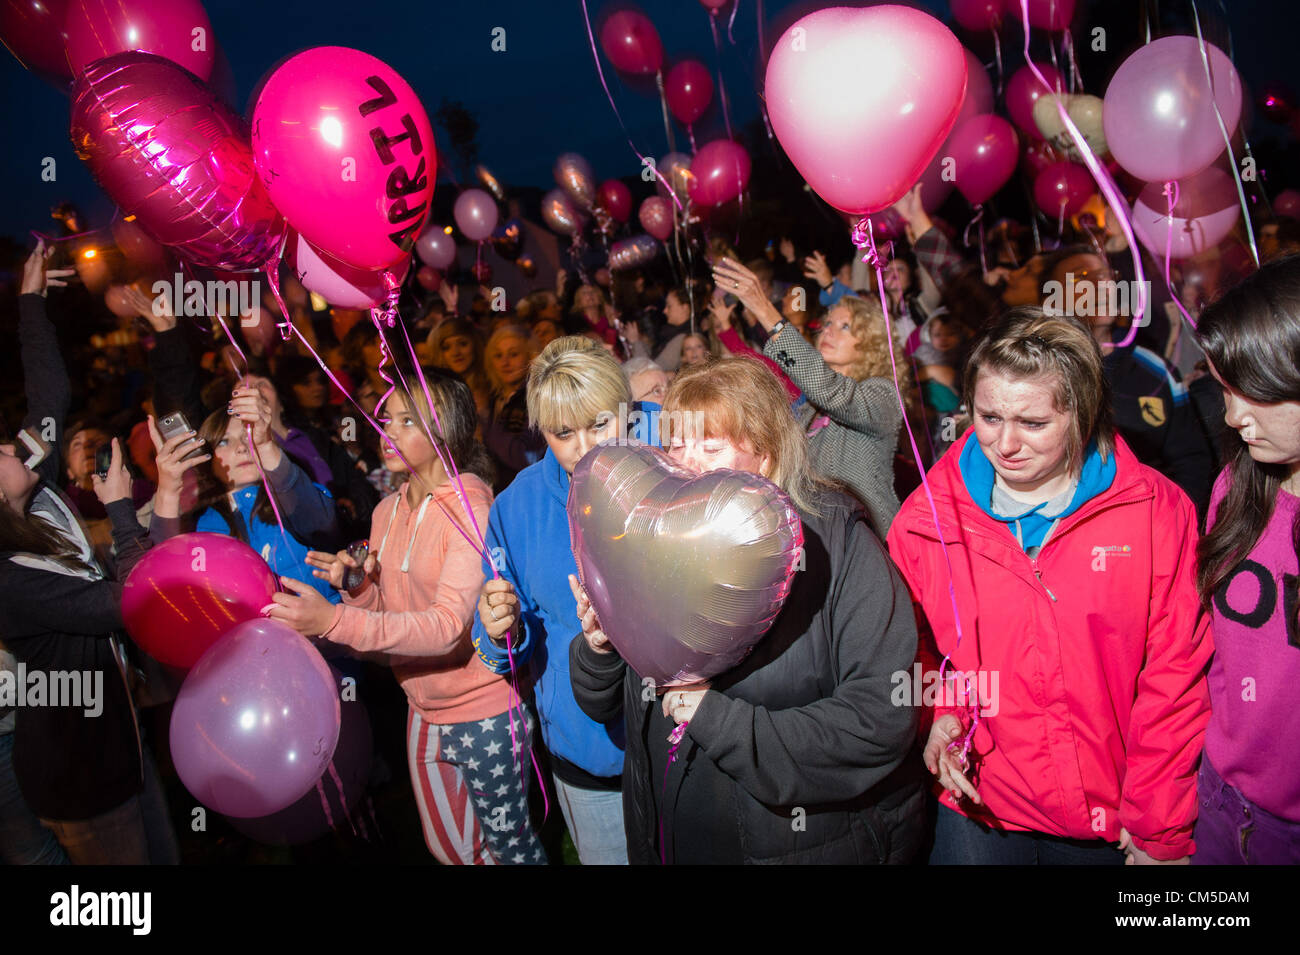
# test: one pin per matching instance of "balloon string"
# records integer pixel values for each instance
(864, 238)
(690, 134)
(722, 89)
(1067, 44)
(1171, 192)
(965, 238)
(595, 58)
(675, 738)
(1114, 197)
(997, 57)
(731, 23)
(663, 105)
(1227, 139)
(272, 269)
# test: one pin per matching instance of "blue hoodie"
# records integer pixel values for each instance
(1097, 476)
(528, 537)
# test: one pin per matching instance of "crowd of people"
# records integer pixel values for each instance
(1061, 631)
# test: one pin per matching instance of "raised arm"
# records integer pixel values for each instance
(45, 377)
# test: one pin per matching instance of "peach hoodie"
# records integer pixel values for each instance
(420, 611)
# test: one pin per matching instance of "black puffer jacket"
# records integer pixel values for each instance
(798, 756)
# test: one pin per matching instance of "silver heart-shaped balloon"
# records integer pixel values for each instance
(686, 572)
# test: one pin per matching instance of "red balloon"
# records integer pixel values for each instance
(482, 272)
(688, 88)
(656, 217)
(616, 199)
(719, 173)
(632, 43)
(189, 590)
(1038, 156)
(862, 152)
(1044, 14)
(33, 32)
(1023, 90)
(1063, 185)
(713, 6)
(977, 14)
(984, 150)
(1287, 204)
(171, 29)
(346, 151)
(168, 151)
(429, 278)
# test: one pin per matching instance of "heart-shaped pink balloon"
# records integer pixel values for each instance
(686, 572)
(861, 100)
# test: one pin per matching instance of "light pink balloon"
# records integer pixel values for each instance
(337, 282)
(977, 14)
(1063, 185)
(1206, 211)
(1023, 91)
(436, 247)
(985, 152)
(1159, 109)
(99, 28)
(656, 217)
(475, 213)
(719, 173)
(346, 151)
(907, 73)
(1044, 14)
(979, 91)
(1287, 204)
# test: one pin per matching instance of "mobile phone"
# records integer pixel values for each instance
(354, 577)
(104, 460)
(174, 424)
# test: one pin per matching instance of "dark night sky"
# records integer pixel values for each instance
(539, 98)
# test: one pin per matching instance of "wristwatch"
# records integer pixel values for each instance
(776, 329)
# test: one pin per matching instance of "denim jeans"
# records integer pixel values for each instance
(23, 840)
(1232, 830)
(960, 841)
(138, 832)
(595, 821)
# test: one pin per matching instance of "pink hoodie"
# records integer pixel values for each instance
(420, 611)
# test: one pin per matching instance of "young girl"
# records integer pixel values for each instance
(513, 444)
(1249, 780)
(468, 752)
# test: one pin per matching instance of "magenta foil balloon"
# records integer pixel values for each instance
(1204, 215)
(1159, 109)
(168, 151)
(177, 30)
(256, 722)
(686, 572)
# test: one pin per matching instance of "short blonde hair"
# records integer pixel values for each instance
(741, 400)
(498, 336)
(572, 383)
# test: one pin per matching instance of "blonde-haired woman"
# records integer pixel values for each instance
(804, 728)
(457, 345)
(506, 432)
(851, 417)
(576, 391)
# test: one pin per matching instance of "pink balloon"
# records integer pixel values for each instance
(347, 153)
(862, 152)
(985, 152)
(1063, 185)
(169, 152)
(656, 217)
(34, 34)
(633, 512)
(713, 6)
(979, 91)
(1287, 204)
(337, 282)
(632, 43)
(189, 590)
(118, 303)
(977, 14)
(436, 247)
(475, 213)
(688, 88)
(137, 248)
(256, 721)
(1044, 14)
(1206, 211)
(887, 225)
(100, 28)
(1038, 156)
(720, 173)
(1023, 91)
(1159, 109)
(616, 199)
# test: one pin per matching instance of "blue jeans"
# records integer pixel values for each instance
(23, 840)
(1232, 830)
(960, 841)
(595, 821)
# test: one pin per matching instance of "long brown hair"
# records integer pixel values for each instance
(27, 534)
(1252, 337)
(456, 414)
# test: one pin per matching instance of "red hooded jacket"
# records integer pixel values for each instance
(1092, 656)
